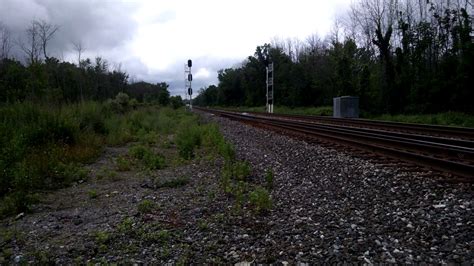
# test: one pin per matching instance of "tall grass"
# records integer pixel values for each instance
(43, 147)
(445, 119)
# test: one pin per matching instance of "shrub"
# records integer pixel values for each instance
(236, 170)
(146, 206)
(138, 151)
(92, 194)
(154, 161)
(260, 200)
(269, 176)
(125, 226)
(123, 164)
(187, 140)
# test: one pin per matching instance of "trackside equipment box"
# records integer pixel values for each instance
(346, 106)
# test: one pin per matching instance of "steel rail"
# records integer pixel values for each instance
(447, 131)
(459, 159)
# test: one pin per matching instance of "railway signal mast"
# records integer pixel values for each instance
(270, 88)
(188, 78)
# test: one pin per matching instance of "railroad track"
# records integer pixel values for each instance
(433, 149)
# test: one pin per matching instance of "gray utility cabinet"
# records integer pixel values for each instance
(346, 106)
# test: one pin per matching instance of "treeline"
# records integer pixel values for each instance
(397, 56)
(35, 76)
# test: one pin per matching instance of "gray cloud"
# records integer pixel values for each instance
(99, 24)
(104, 28)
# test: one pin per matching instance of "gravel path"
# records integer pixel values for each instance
(328, 207)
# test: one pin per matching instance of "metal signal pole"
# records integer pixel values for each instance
(188, 78)
(270, 88)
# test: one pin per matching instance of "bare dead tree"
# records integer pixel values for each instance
(31, 47)
(46, 32)
(5, 42)
(79, 48)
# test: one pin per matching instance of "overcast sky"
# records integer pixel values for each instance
(153, 39)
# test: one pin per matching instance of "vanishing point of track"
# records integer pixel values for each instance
(446, 149)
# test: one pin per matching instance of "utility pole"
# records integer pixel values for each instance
(270, 88)
(188, 78)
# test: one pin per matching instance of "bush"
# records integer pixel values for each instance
(269, 176)
(154, 161)
(123, 164)
(187, 140)
(138, 151)
(260, 200)
(146, 206)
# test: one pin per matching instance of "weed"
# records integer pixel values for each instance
(203, 225)
(154, 161)
(154, 235)
(226, 182)
(236, 170)
(92, 194)
(219, 217)
(238, 192)
(173, 183)
(269, 176)
(187, 140)
(138, 151)
(241, 170)
(125, 226)
(123, 164)
(146, 206)
(102, 237)
(260, 199)
(107, 174)
(211, 195)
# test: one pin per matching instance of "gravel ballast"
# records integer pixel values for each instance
(330, 206)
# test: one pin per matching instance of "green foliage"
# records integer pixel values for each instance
(154, 161)
(187, 140)
(92, 194)
(445, 119)
(138, 151)
(146, 206)
(269, 176)
(203, 225)
(102, 237)
(126, 226)
(260, 199)
(239, 170)
(107, 173)
(123, 164)
(176, 102)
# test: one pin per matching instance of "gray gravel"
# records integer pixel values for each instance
(330, 206)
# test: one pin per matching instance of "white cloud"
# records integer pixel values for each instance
(202, 73)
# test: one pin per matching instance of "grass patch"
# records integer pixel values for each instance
(444, 119)
(260, 199)
(146, 206)
(92, 194)
(269, 176)
(123, 164)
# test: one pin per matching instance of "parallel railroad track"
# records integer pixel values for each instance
(453, 154)
(421, 129)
